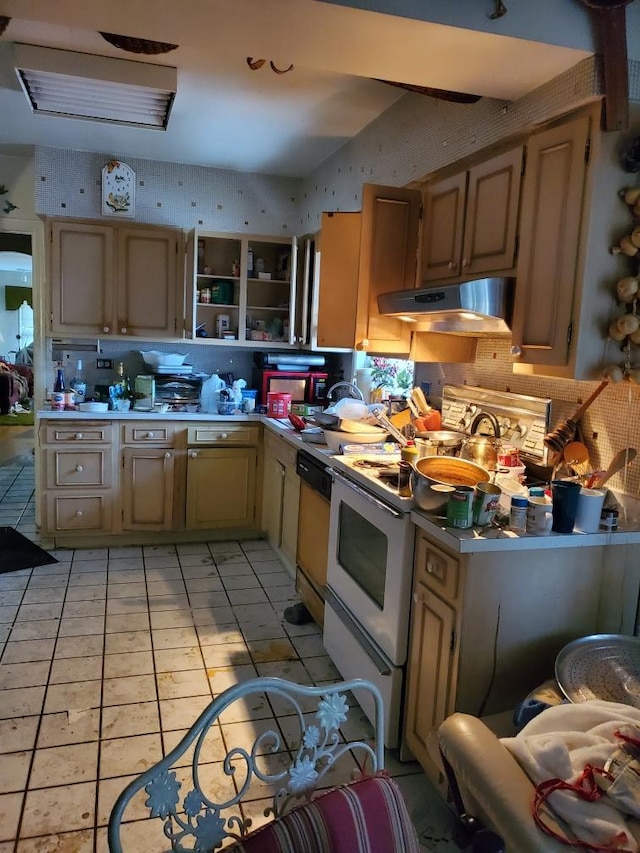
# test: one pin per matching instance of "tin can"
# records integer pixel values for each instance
(278, 404)
(460, 507)
(57, 401)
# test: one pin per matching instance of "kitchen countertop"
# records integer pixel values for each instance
(473, 540)
(49, 414)
(459, 541)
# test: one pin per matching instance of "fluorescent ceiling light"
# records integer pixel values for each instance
(96, 88)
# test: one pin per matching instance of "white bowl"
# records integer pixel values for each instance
(93, 406)
(335, 438)
(162, 359)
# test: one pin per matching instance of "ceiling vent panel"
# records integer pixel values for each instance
(95, 88)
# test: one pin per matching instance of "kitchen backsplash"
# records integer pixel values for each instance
(611, 423)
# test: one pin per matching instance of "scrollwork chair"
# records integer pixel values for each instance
(369, 809)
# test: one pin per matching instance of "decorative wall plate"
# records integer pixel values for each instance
(118, 189)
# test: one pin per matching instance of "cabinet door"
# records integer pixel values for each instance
(221, 488)
(289, 525)
(429, 670)
(552, 198)
(335, 284)
(273, 492)
(147, 488)
(444, 211)
(82, 278)
(271, 290)
(491, 216)
(388, 261)
(148, 290)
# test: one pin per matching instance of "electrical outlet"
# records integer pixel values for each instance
(104, 363)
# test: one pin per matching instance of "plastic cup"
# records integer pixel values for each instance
(565, 505)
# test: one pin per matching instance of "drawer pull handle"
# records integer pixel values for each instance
(79, 513)
(430, 567)
(79, 469)
(79, 435)
(450, 265)
(167, 455)
(105, 328)
(193, 454)
(123, 330)
(149, 435)
(223, 435)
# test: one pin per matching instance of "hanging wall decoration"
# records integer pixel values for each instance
(625, 329)
(118, 189)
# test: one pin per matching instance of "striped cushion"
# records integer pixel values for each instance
(367, 816)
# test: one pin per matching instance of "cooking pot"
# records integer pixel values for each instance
(481, 449)
(434, 478)
(439, 443)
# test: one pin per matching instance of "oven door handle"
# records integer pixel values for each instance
(356, 631)
(366, 495)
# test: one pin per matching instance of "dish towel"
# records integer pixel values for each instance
(559, 743)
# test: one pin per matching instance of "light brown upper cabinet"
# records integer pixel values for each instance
(115, 280)
(565, 294)
(471, 219)
(552, 204)
(359, 256)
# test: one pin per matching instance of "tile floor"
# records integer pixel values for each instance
(109, 655)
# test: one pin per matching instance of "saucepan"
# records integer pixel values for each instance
(439, 443)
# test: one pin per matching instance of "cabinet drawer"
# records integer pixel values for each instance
(437, 570)
(149, 433)
(78, 513)
(222, 434)
(79, 431)
(79, 468)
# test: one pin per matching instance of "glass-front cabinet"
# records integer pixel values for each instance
(244, 289)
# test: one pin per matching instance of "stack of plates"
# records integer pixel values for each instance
(176, 370)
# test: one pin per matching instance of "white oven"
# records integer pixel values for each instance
(368, 601)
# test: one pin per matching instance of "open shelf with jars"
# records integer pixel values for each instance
(243, 289)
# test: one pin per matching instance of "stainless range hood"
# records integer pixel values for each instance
(481, 307)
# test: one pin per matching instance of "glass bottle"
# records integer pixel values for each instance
(59, 386)
(59, 391)
(78, 384)
(121, 388)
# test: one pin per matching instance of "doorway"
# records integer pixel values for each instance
(16, 299)
(17, 331)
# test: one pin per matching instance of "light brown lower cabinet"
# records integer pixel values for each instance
(79, 492)
(281, 493)
(147, 482)
(486, 627)
(221, 487)
(139, 478)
